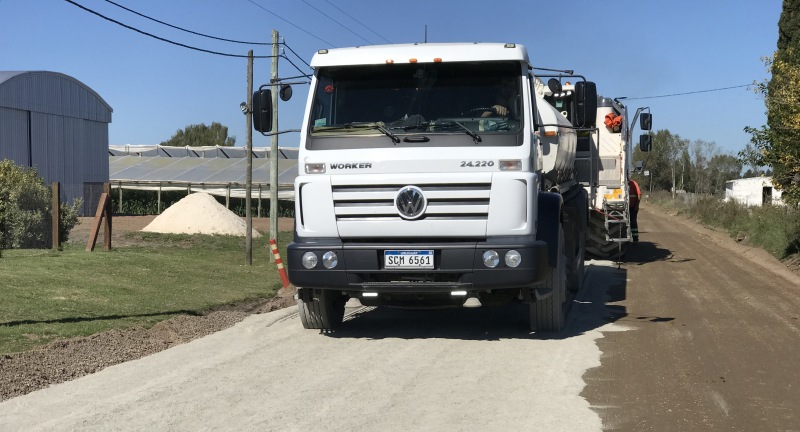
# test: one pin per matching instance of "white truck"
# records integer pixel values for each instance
(604, 163)
(437, 175)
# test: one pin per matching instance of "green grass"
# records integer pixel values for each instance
(46, 295)
(775, 229)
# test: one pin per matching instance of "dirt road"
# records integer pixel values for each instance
(715, 340)
(689, 334)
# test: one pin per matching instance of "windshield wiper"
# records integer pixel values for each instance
(356, 125)
(475, 137)
(386, 132)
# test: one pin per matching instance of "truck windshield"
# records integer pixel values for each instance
(471, 99)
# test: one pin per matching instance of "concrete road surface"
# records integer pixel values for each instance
(712, 343)
(386, 369)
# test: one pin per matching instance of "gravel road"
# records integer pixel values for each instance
(386, 369)
(715, 343)
(692, 332)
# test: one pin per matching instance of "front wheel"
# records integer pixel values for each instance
(323, 309)
(548, 314)
(577, 266)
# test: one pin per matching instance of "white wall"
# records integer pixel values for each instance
(749, 191)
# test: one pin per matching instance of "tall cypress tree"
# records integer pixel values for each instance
(779, 140)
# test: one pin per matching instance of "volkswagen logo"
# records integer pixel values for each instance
(410, 202)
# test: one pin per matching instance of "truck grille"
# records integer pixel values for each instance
(465, 201)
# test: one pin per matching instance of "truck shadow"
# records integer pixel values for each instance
(592, 308)
(647, 252)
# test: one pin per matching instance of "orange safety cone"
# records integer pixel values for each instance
(281, 270)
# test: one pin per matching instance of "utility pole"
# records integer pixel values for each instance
(249, 178)
(273, 153)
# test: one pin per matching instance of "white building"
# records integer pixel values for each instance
(754, 191)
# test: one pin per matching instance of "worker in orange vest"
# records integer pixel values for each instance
(634, 196)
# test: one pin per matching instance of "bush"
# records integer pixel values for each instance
(776, 228)
(25, 213)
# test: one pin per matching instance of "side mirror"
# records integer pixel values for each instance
(645, 142)
(646, 121)
(285, 92)
(585, 104)
(262, 110)
(554, 85)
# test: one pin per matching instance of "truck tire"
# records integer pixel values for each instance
(597, 245)
(575, 231)
(577, 266)
(323, 310)
(547, 315)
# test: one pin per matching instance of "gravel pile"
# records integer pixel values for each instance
(199, 213)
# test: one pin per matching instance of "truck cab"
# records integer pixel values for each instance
(421, 170)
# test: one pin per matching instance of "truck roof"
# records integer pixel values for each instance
(422, 52)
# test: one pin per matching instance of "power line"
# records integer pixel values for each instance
(160, 38)
(291, 23)
(183, 29)
(688, 93)
(295, 66)
(337, 22)
(296, 55)
(362, 24)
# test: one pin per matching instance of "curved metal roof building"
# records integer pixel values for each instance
(58, 125)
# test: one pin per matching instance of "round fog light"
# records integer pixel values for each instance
(513, 258)
(491, 259)
(329, 259)
(309, 260)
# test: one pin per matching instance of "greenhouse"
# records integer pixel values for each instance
(220, 171)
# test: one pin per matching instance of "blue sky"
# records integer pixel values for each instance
(633, 48)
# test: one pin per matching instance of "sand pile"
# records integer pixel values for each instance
(199, 213)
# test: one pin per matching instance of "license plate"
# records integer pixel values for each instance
(408, 259)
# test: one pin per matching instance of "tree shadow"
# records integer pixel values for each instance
(71, 320)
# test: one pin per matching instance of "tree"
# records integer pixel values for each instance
(663, 161)
(201, 136)
(25, 209)
(723, 168)
(750, 157)
(778, 142)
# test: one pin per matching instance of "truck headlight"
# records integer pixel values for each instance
(329, 259)
(309, 260)
(491, 259)
(513, 258)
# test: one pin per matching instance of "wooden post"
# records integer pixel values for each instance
(159, 197)
(102, 215)
(107, 213)
(273, 152)
(248, 200)
(120, 196)
(56, 212)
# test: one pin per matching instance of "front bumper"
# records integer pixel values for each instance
(457, 266)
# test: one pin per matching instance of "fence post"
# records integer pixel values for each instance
(259, 200)
(4, 198)
(56, 214)
(108, 212)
